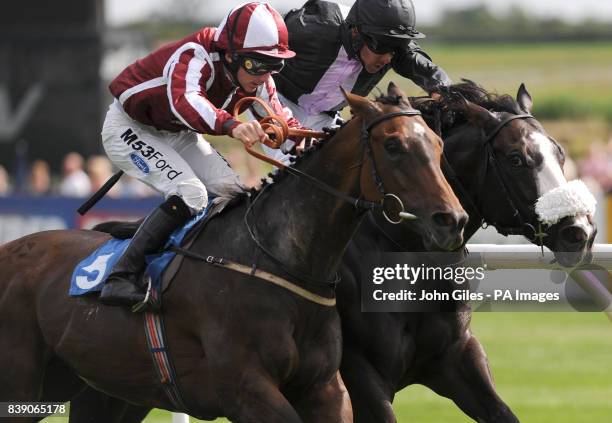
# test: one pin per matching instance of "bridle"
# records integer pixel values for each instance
(366, 130)
(522, 227)
(521, 216)
(357, 203)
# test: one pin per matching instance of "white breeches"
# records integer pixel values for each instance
(173, 163)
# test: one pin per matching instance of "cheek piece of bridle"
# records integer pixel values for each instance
(571, 199)
(366, 130)
(523, 216)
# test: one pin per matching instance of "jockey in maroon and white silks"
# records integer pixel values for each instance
(164, 101)
(183, 85)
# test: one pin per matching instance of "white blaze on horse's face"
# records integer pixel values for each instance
(419, 129)
(550, 175)
(557, 197)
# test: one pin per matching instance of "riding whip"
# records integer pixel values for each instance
(97, 196)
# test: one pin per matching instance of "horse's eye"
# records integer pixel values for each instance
(393, 145)
(516, 160)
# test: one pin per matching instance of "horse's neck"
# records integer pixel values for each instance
(467, 158)
(306, 228)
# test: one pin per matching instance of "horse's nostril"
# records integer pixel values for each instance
(445, 219)
(574, 235)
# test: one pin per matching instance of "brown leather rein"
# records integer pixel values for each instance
(276, 128)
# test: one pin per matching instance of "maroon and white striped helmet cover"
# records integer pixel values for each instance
(258, 28)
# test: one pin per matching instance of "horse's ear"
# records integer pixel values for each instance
(523, 98)
(395, 91)
(477, 114)
(360, 105)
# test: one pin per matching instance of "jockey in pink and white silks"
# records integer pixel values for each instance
(164, 101)
(352, 48)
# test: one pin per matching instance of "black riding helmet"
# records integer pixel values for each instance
(380, 19)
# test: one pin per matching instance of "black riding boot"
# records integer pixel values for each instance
(123, 286)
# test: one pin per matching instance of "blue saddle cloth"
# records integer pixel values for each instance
(91, 273)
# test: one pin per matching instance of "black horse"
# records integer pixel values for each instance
(242, 347)
(501, 161)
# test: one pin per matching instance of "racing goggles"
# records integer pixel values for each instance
(382, 45)
(257, 66)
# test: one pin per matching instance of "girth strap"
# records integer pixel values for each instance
(260, 274)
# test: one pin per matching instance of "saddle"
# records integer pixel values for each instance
(126, 230)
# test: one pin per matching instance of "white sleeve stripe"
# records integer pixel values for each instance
(169, 92)
(203, 107)
(192, 83)
(198, 48)
(151, 83)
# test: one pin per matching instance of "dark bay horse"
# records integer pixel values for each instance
(242, 347)
(385, 352)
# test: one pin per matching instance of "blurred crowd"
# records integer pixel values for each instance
(596, 166)
(81, 177)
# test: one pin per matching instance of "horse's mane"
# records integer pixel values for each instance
(446, 114)
(279, 175)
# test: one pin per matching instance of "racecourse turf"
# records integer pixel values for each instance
(548, 367)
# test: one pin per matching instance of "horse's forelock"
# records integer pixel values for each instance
(447, 113)
(391, 100)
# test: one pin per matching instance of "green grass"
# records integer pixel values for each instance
(548, 367)
(565, 70)
(568, 81)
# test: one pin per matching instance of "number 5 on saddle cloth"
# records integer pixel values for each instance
(90, 273)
